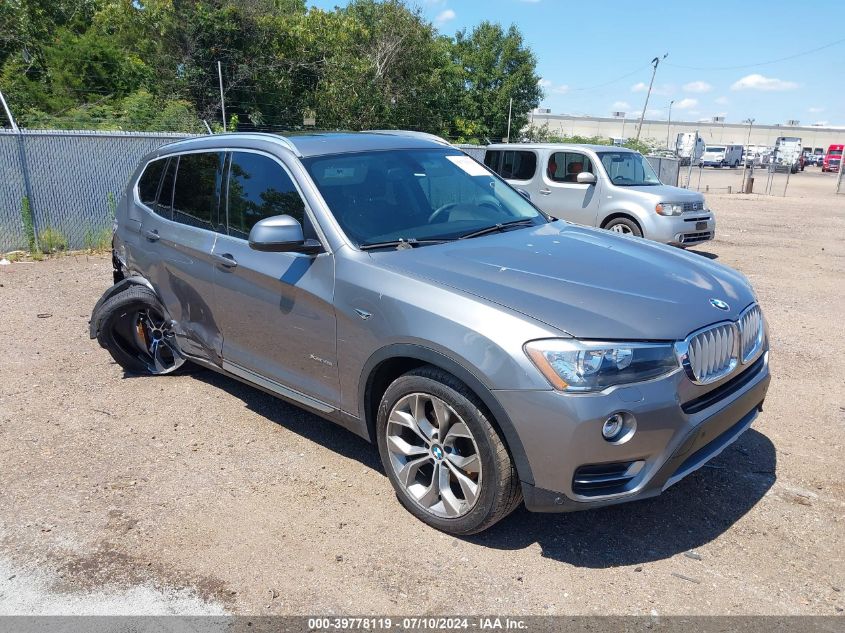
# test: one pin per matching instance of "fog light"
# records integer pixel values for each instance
(613, 427)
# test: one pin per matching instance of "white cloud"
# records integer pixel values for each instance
(686, 104)
(815, 110)
(653, 113)
(621, 105)
(561, 89)
(722, 101)
(759, 82)
(544, 83)
(663, 89)
(698, 87)
(447, 15)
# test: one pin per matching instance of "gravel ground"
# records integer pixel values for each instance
(199, 494)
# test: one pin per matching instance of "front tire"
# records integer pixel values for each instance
(445, 460)
(625, 226)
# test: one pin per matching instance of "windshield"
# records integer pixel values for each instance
(421, 195)
(628, 169)
(836, 152)
(714, 150)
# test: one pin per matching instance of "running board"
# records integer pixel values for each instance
(270, 385)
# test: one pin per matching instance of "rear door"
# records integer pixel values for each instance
(274, 310)
(560, 193)
(178, 233)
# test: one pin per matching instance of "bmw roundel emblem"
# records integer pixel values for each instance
(719, 304)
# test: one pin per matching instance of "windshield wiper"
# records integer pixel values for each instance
(399, 244)
(497, 227)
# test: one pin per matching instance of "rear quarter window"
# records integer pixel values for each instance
(149, 181)
(197, 192)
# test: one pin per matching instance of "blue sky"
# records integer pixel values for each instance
(594, 56)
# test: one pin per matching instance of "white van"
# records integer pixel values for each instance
(722, 156)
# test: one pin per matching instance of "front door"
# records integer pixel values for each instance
(275, 310)
(561, 195)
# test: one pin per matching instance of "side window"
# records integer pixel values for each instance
(195, 196)
(518, 165)
(150, 179)
(565, 166)
(260, 188)
(491, 159)
(164, 206)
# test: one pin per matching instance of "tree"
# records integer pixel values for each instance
(495, 66)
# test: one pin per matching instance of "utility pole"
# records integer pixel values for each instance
(745, 149)
(669, 124)
(27, 185)
(8, 113)
(510, 111)
(222, 101)
(655, 62)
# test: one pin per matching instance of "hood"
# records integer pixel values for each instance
(589, 283)
(667, 193)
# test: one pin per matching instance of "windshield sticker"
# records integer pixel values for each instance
(468, 165)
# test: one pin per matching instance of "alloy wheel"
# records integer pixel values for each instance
(621, 228)
(433, 454)
(152, 338)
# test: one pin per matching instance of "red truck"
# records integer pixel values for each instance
(833, 158)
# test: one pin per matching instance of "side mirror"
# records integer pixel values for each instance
(586, 178)
(281, 234)
(524, 194)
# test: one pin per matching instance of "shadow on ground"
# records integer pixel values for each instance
(688, 515)
(300, 421)
(706, 254)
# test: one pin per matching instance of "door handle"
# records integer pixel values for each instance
(225, 259)
(151, 235)
(545, 192)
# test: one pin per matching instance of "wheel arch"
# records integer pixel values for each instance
(390, 362)
(622, 214)
(94, 323)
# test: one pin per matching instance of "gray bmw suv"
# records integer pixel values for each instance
(390, 283)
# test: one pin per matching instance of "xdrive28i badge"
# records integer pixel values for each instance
(719, 304)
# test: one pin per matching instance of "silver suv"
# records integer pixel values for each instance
(608, 187)
(393, 285)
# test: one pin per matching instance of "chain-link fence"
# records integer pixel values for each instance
(70, 179)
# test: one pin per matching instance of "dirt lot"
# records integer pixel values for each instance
(198, 494)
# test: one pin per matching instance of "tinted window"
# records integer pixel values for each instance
(259, 188)
(196, 193)
(165, 194)
(491, 159)
(148, 184)
(518, 165)
(565, 166)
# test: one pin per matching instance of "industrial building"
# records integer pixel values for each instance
(712, 131)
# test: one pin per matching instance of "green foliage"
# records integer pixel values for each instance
(542, 134)
(28, 225)
(152, 65)
(97, 241)
(52, 240)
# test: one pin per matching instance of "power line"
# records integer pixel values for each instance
(773, 61)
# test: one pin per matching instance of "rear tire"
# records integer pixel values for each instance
(133, 327)
(445, 460)
(625, 226)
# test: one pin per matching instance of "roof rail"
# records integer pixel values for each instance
(284, 140)
(412, 134)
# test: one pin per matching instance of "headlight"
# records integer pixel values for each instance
(669, 208)
(571, 365)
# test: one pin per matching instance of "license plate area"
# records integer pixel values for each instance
(701, 226)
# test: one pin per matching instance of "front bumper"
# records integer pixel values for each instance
(680, 427)
(688, 229)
